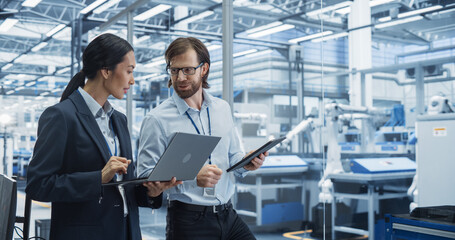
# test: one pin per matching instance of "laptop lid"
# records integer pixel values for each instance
(183, 158)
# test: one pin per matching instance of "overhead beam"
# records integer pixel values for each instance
(122, 14)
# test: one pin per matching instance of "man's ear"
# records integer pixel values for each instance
(205, 69)
(104, 73)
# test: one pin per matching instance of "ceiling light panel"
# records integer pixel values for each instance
(105, 6)
(92, 6)
(8, 24)
(329, 8)
(397, 22)
(272, 30)
(30, 3)
(152, 12)
(197, 17)
(309, 37)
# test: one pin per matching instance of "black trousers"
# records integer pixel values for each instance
(184, 224)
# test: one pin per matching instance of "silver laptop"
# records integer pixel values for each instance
(183, 158)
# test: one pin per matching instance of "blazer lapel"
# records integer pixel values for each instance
(89, 123)
(123, 135)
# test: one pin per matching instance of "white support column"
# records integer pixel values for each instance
(360, 53)
(179, 13)
(228, 43)
(129, 95)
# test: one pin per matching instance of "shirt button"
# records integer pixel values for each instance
(104, 132)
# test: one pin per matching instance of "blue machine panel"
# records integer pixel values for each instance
(382, 165)
(407, 228)
(282, 212)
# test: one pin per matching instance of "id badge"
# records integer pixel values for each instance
(209, 192)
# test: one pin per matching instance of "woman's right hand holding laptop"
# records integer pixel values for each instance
(156, 188)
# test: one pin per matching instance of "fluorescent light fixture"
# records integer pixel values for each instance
(272, 30)
(419, 11)
(7, 66)
(260, 53)
(63, 70)
(92, 6)
(244, 52)
(7, 24)
(44, 93)
(197, 17)
(55, 29)
(28, 101)
(213, 47)
(56, 90)
(105, 6)
(10, 92)
(19, 88)
(39, 46)
(156, 62)
(309, 37)
(30, 3)
(397, 22)
(267, 26)
(329, 8)
(373, 3)
(445, 11)
(152, 12)
(20, 58)
(143, 38)
(333, 36)
(39, 98)
(62, 34)
(385, 19)
(30, 84)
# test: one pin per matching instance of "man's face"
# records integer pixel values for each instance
(187, 85)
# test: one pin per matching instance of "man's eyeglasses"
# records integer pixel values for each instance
(185, 70)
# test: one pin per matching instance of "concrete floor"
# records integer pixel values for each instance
(152, 223)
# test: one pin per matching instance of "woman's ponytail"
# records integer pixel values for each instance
(77, 81)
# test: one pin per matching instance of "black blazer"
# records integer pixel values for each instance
(65, 169)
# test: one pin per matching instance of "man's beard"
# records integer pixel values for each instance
(187, 93)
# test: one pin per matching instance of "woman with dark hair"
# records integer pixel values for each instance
(82, 143)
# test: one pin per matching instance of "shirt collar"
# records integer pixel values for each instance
(94, 106)
(182, 106)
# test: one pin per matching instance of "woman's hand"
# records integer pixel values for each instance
(156, 188)
(114, 165)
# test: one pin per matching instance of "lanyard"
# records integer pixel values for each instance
(115, 142)
(197, 129)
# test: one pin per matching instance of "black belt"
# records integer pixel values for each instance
(200, 208)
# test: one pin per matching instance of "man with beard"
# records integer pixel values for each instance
(199, 208)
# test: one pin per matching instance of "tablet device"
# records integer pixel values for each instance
(183, 158)
(264, 148)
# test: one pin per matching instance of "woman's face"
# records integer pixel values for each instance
(121, 78)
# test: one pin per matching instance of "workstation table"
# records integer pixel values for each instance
(374, 182)
(290, 170)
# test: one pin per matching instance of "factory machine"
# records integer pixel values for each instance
(370, 179)
(270, 195)
(435, 155)
(394, 137)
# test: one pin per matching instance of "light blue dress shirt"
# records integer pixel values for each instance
(160, 125)
(102, 116)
